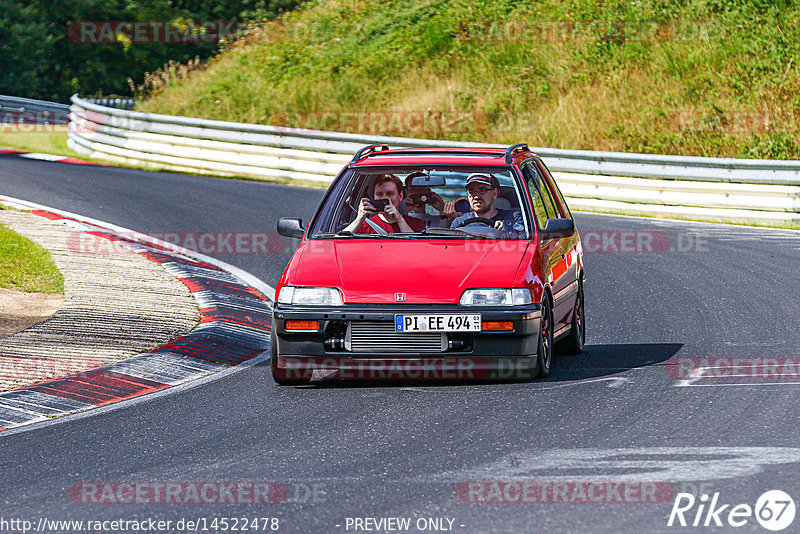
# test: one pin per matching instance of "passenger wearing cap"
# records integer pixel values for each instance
(482, 191)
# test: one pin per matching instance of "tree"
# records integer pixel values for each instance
(44, 59)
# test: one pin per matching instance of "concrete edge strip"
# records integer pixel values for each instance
(235, 309)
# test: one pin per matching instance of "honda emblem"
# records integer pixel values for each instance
(399, 297)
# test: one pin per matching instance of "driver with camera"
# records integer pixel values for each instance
(482, 191)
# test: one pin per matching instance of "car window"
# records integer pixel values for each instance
(330, 211)
(542, 204)
(552, 211)
(556, 192)
(421, 206)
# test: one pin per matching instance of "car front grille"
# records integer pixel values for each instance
(380, 337)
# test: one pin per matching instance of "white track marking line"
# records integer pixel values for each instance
(742, 384)
(42, 157)
(668, 464)
(616, 382)
(689, 382)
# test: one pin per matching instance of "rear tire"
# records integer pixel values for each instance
(573, 343)
(280, 376)
(544, 354)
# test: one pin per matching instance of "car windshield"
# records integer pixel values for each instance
(413, 202)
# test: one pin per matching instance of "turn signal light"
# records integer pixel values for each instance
(497, 326)
(308, 326)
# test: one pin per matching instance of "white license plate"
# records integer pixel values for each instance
(437, 323)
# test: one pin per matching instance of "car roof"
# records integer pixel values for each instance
(440, 156)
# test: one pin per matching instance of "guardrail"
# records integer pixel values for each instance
(716, 189)
(16, 110)
(119, 103)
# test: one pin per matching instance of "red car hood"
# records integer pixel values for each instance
(427, 271)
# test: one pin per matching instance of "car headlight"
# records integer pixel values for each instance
(310, 296)
(517, 296)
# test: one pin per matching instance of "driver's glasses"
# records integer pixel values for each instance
(478, 191)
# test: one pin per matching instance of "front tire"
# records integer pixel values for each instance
(280, 376)
(544, 354)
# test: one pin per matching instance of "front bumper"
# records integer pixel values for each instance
(485, 354)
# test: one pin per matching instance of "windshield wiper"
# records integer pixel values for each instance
(347, 233)
(453, 232)
(343, 233)
(441, 231)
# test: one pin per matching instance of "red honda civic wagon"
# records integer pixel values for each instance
(444, 264)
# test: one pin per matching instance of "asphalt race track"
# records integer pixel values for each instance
(595, 439)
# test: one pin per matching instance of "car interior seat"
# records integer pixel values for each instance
(507, 199)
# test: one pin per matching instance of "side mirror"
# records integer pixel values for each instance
(555, 228)
(291, 227)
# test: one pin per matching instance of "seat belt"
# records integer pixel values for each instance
(375, 226)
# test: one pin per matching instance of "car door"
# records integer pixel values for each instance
(560, 270)
(570, 247)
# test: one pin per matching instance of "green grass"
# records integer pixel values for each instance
(695, 77)
(25, 266)
(48, 142)
(55, 142)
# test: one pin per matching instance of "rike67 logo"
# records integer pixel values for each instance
(774, 510)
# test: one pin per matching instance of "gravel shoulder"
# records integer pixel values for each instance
(117, 304)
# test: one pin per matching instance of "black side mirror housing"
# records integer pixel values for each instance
(291, 227)
(555, 228)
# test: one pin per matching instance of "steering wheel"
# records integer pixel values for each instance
(480, 220)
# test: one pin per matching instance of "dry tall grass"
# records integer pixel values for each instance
(711, 79)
